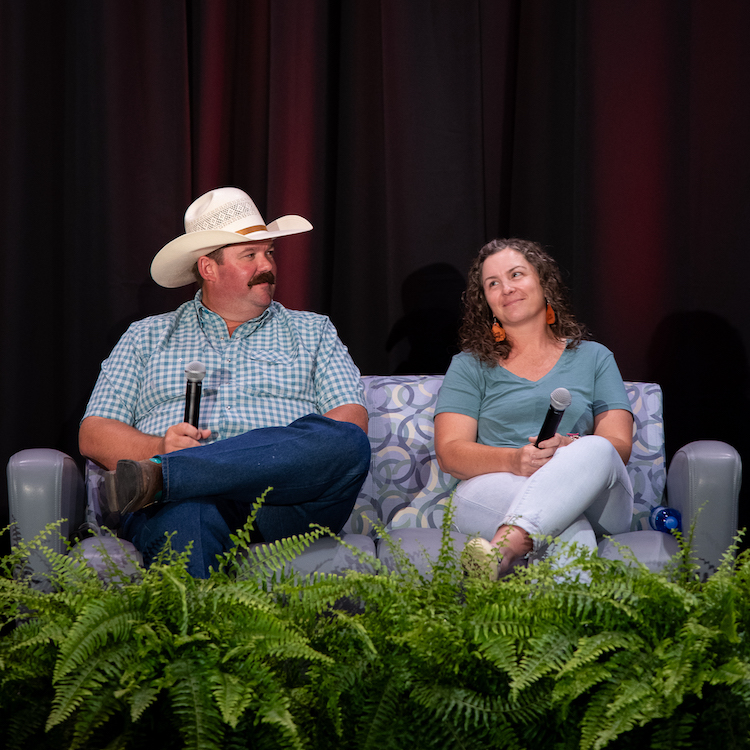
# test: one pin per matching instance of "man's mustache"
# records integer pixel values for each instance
(263, 278)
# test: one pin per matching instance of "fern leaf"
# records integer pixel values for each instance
(276, 713)
(82, 685)
(191, 699)
(141, 699)
(730, 672)
(232, 695)
(377, 719)
(573, 685)
(597, 729)
(674, 733)
(469, 712)
(501, 653)
(100, 622)
(591, 648)
(547, 652)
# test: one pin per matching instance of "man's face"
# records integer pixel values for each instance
(246, 277)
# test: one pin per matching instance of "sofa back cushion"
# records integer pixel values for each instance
(405, 487)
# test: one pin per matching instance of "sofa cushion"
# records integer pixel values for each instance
(653, 549)
(403, 468)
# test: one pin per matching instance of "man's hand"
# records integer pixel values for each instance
(182, 435)
(106, 441)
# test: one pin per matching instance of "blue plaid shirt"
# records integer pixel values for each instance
(274, 369)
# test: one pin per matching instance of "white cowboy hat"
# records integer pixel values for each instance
(225, 216)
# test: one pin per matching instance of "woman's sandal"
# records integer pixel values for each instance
(481, 559)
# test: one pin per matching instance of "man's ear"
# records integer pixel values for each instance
(207, 268)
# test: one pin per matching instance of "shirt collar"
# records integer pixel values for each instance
(209, 319)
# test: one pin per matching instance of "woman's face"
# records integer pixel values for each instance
(512, 289)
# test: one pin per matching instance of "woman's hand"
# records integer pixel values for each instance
(459, 454)
(531, 459)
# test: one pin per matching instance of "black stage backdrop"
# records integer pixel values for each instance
(616, 133)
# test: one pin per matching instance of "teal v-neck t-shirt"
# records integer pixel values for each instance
(509, 409)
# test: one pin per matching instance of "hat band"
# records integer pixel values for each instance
(250, 230)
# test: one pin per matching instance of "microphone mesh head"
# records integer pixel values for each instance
(195, 371)
(560, 399)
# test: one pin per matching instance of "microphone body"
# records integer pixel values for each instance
(194, 372)
(559, 401)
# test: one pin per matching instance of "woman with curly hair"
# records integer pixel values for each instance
(520, 341)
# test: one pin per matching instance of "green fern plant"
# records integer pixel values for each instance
(572, 652)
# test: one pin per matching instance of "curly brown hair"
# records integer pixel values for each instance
(475, 334)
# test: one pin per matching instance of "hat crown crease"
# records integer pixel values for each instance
(225, 215)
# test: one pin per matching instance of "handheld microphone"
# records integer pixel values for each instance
(559, 401)
(194, 372)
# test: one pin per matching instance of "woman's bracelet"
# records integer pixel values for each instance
(573, 435)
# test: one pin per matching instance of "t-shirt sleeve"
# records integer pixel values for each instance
(609, 390)
(462, 388)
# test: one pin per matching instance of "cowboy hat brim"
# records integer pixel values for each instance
(173, 264)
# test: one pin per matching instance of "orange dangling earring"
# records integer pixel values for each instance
(498, 331)
(550, 314)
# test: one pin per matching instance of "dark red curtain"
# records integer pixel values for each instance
(409, 133)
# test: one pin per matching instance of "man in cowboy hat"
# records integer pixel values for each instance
(282, 402)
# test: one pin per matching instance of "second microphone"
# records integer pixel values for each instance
(559, 400)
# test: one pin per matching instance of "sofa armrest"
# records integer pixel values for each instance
(44, 486)
(703, 483)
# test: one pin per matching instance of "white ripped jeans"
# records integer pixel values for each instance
(582, 492)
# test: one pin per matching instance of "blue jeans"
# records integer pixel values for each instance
(315, 466)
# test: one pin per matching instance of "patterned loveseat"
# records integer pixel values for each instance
(405, 493)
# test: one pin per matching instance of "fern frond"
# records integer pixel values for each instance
(598, 728)
(84, 686)
(245, 594)
(501, 652)
(501, 619)
(101, 621)
(100, 707)
(730, 672)
(264, 635)
(362, 556)
(233, 696)
(31, 637)
(674, 733)
(447, 571)
(591, 648)
(465, 708)
(177, 593)
(270, 561)
(276, 714)
(547, 652)
(573, 685)
(140, 698)
(376, 721)
(191, 700)
(24, 711)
